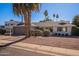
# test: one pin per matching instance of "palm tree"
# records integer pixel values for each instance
(25, 10)
(53, 16)
(46, 14)
(57, 16)
(22, 18)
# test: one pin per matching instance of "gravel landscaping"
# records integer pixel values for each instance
(63, 42)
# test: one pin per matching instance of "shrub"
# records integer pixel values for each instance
(37, 32)
(2, 31)
(46, 33)
(75, 31)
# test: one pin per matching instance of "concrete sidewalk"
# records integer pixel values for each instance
(43, 49)
(9, 40)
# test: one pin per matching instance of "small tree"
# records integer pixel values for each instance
(46, 14)
(75, 30)
(76, 20)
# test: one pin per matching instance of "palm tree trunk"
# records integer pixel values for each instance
(26, 20)
(22, 19)
(29, 23)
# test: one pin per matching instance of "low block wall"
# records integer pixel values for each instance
(19, 30)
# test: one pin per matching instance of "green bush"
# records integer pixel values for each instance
(2, 31)
(75, 31)
(46, 33)
(36, 32)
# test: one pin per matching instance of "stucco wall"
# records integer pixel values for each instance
(19, 30)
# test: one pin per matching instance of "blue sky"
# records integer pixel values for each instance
(66, 11)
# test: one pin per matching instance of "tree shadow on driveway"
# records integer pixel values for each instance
(7, 44)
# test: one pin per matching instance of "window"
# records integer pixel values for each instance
(59, 29)
(64, 29)
(5, 24)
(11, 24)
(62, 23)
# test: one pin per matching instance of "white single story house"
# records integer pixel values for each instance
(58, 27)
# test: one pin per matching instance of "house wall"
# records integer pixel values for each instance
(10, 24)
(69, 30)
(54, 29)
(62, 32)
(19, 30)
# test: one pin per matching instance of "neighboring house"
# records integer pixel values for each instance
(57, 27)
(9, 26)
